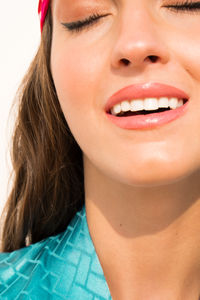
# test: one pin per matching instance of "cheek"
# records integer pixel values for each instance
(79, 77)
(72, 78)
(191, 59)
(76, 72)
(185, 48)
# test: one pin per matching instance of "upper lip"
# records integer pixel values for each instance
(144, 90)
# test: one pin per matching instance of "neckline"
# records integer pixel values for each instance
(95, 270)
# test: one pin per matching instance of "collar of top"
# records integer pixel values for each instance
(42, 11)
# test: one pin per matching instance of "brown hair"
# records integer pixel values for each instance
(48, 186)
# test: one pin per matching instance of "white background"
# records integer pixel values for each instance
(19, 40)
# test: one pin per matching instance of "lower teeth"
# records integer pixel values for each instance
(141, 112)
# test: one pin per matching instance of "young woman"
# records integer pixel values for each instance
(106, 156)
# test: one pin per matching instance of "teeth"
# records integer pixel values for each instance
(173, 102)
(125, 106)
(180, 103)
(137, 105)
(146, 104)
(151, 104)
(116, 109)
(163, 102)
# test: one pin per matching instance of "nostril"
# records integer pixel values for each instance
(153, 58)
(125, 61)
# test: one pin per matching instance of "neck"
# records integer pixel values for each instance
(157, 229)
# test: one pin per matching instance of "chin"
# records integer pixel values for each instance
(152, 175)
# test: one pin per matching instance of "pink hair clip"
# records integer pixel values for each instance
(42, 11)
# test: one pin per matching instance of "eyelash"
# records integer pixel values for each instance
(80, 25)
(186, 5)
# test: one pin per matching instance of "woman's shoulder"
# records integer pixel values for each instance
(50, 244)
(41, 266)
(64, 266)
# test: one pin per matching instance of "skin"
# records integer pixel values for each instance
(141, 186)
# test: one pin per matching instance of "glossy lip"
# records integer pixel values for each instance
(145, 90)
(142, 91)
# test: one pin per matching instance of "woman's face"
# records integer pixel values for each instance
(135, 42)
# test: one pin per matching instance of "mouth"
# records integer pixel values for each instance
(143, 106)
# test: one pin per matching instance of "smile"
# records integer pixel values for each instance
(146, 106)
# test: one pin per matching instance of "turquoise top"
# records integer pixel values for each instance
(64, 266)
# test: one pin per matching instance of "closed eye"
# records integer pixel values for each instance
(184, 6)
(82, 24)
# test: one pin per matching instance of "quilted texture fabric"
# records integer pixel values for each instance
(64, 266)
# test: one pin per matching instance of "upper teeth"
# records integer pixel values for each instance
(146, 104)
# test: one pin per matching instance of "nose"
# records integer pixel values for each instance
(139, 41)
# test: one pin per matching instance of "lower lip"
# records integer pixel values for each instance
(150, 120)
